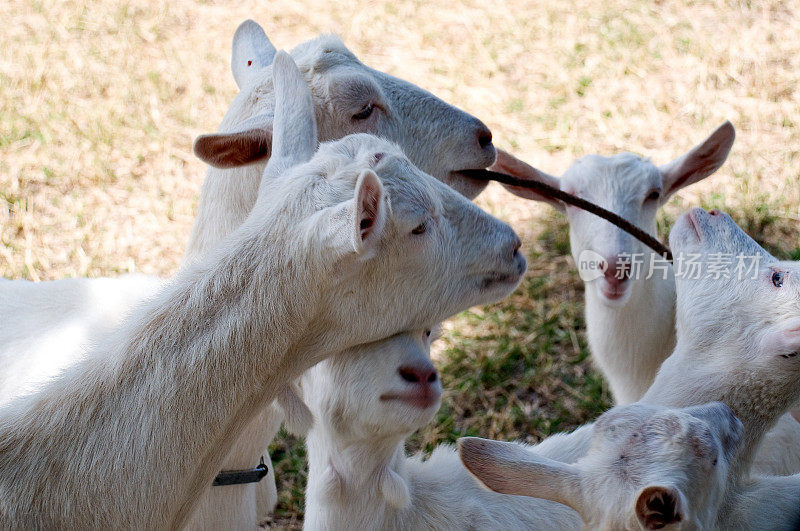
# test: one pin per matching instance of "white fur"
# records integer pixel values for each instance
(629, 335)
(736, 340)
(359, 475)
(69, 313)
(648, 467)
(437, 137)
(632, 335)
(132, 434)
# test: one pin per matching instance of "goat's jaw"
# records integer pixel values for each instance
(466, 186)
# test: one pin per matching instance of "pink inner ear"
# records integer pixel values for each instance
(783, 338)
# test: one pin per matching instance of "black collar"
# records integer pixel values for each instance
(240, 477)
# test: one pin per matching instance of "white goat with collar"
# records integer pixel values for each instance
(131, 435)
(348, 97)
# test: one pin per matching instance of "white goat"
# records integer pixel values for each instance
(132, 434)
(348, 97)
(630, 319)
(69, 313)
(366, 401)
(738, 342)
(738, 337)
(648, 467)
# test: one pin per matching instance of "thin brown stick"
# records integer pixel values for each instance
(554, 193)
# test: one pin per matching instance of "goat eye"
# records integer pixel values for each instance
(420, 229)
(364, 113)
(777, 278)
(653, 196)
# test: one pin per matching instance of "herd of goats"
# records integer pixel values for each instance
(334, 231)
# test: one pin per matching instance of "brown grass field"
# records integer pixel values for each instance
(100, 102)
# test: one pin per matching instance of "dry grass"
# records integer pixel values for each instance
(101, 101)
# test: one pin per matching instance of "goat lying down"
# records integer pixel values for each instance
(319, 265)
(649, 467)
(367, 400)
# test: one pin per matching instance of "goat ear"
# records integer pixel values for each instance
(252, 51)
(370, 212)
(354, 228)
(658, 507)
(510, 165)
(295, 125)
(508, 468)
(782, 339)
(394, 489)
(252, 143)
(700, 161)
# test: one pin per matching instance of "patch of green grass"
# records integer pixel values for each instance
(288, 454)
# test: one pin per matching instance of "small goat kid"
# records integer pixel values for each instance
(738, 337)
(648, 467)
(134, 433)
(738, 340)
(630, 319)
(366, 402)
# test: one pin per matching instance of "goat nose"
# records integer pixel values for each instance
(484, 136)
(425, 374)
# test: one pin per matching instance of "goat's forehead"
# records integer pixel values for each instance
(409, 189)
(323, 53)
(359, 146)
(624, 171)
(724, 235)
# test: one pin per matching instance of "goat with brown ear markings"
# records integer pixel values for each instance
(46, 326)
(649, 468)
(133, 434)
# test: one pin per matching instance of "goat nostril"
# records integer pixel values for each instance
(408, 374)
(423, 374)
(484, 136)
(515, 246)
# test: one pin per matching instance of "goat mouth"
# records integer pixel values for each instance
(613, 293)
(506, 278)
(420, 400)
(499, 279)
